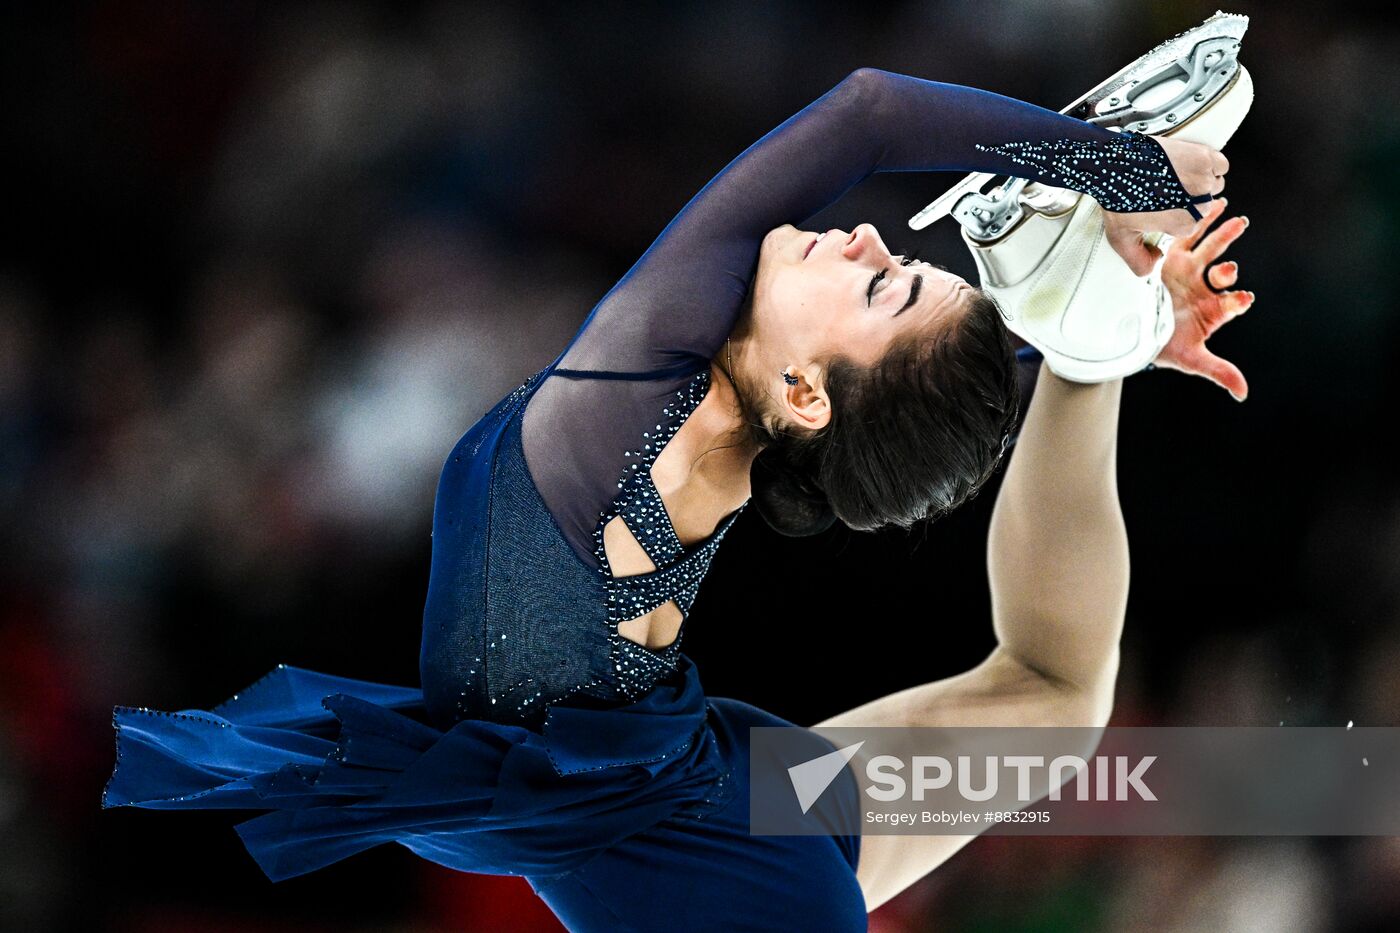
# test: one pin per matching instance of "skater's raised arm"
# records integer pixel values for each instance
(680, 300)
(1057, 552)
(668, 318)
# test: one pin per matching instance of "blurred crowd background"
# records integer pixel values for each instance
(265, 263)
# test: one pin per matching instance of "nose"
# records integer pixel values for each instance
(863, 242)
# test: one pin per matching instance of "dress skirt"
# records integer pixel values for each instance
(597, 806)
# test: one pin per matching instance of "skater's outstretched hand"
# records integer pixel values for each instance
(1200, 311)
(1200, 169)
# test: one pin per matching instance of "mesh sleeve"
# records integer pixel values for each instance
(669, 315)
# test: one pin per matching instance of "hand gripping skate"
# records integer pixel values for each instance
(1041, 251)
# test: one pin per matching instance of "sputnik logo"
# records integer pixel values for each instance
(811, 778)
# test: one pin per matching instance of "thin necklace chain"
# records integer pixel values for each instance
(729, 360)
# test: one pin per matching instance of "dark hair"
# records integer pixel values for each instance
(910, 438)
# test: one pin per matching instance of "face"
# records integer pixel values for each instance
(818, 294)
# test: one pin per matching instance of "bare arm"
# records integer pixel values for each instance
(1057, 552)
(1058, 561)
(1057, 557)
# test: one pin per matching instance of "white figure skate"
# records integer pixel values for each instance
(1041, 251)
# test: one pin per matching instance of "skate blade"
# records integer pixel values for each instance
(1118, 102)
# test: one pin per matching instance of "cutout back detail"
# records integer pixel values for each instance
(653, 583)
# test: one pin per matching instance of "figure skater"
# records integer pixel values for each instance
(559, 733)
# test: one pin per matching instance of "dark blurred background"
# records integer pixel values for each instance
(265, 263)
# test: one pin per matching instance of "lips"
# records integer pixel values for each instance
(812, 245)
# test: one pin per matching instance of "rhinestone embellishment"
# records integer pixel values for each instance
(636, 668)
(1129, 172)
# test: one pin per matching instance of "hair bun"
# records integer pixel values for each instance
(787, 497)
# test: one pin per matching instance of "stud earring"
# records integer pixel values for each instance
(789, 378)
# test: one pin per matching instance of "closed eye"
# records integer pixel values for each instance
(874, 280)
(904, 260)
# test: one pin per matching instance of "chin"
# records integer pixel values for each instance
(773, 239)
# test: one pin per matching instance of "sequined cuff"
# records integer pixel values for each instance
(1126, 172)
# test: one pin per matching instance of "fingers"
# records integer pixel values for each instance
(1221, 372)
(1208, 217)
(1222, 275)
(1236, 303)
(1214, 245)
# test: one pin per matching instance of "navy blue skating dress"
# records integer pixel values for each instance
(541, 742)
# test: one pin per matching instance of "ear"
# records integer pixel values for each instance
(806, 402)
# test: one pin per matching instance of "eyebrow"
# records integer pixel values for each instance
(913, 294)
